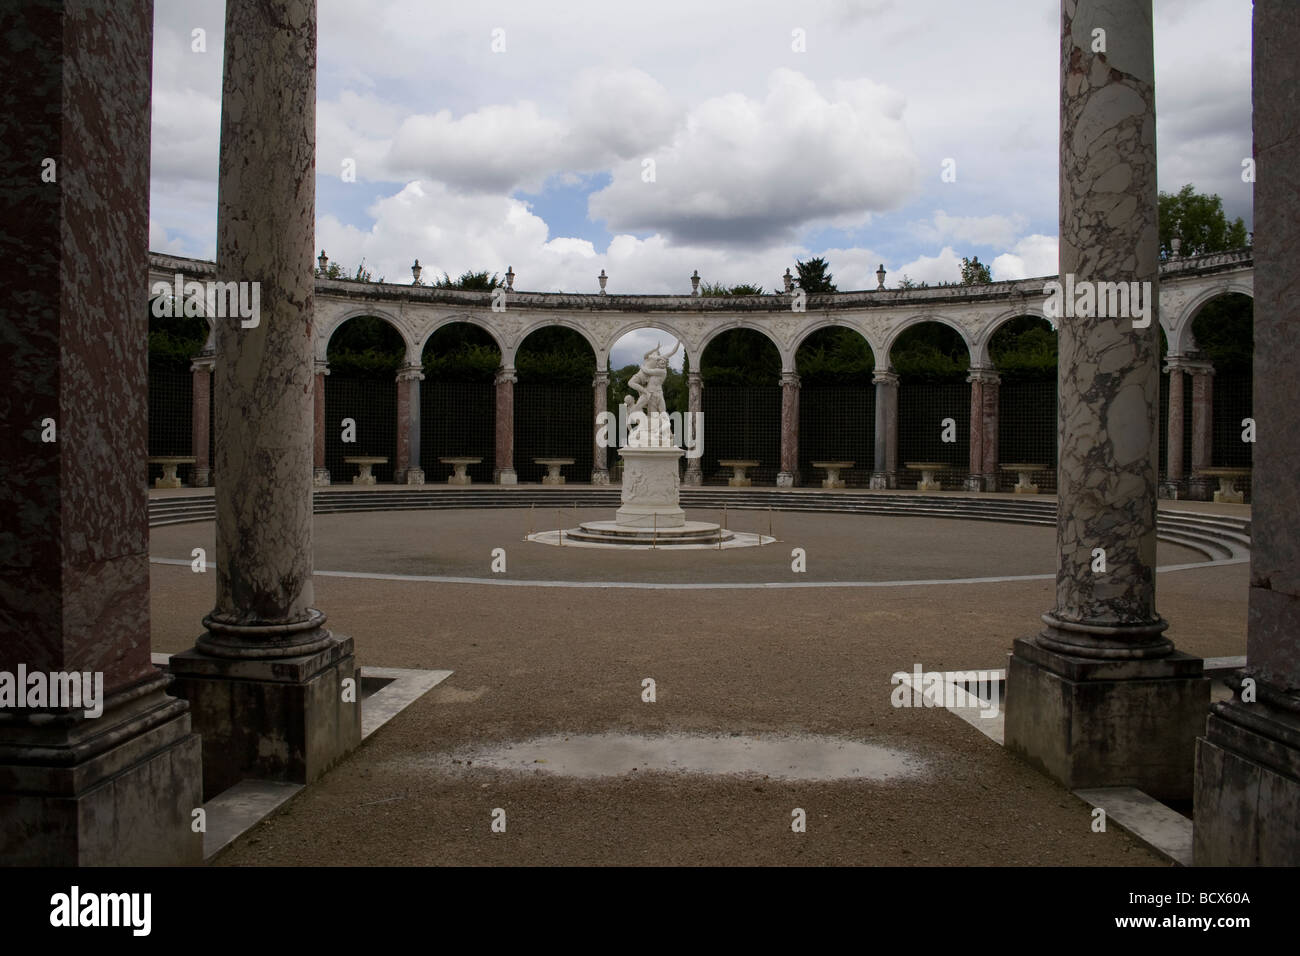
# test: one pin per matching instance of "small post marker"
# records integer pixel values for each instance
(530, 520)
(654, 534)
(769, 523)
(560, 521)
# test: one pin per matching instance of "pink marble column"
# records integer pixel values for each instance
(983, 430)
(80, 787)
(788, 476)
(320, 474)
(408, 470)
(1174, 432)
(695, 408)
(504, 471)
(885, 468)
(600, 459)
(201, 419)
(1202, 429)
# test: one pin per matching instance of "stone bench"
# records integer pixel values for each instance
(1025, 486)
(833, 469)
(927, 470)
(553, 466)
(365, 463)
(738, 479)
(169, 464)
(1227, 493)
(459, 476)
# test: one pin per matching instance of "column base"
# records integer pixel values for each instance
(117, 790)
(271, 718)
(600, 477)
(506, 476)
(412, 476)
(981, 483)
(1248, 787)
(1170, 490)
(881, 480)
(1099, 722)
(320, 477)
(202, 477)
(1201, 489)
(784, 479)
(694, 476)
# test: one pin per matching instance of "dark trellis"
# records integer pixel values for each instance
(170, 415)
(923, 404)
(1027, 430)
(457, 420)
(742, 422)
(372, 403)
(553, 421)
(1232, 403)
(837, 423)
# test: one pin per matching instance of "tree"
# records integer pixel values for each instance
(470, 280)
(717, 289)
(337, 271)
(974, 272)
(813, 277)
(1198, 220)
(908, 283)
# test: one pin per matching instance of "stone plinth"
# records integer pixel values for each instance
(459, 475)
(833, 469)
(1091, 722)
(738, 467)
(650, 488)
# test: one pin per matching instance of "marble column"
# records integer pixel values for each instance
(1100, 697)
(600, 459)
(504, 471)
(320, 475)
(1248, 763)
(267, 682)
(117, 787)
(201, 418)
(983, 430)
(408, 471)
(1202, 489)
(788, 476)
(695, 408)
(884, 472)
(1173, 483)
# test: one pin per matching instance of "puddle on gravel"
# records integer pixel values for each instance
(803, 757)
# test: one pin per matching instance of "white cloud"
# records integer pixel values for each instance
(1031, 257)
(992, 230)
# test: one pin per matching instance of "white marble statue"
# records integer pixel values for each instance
(655, 430)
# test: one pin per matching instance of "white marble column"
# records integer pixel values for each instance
(884, 472)
(600, 459)
(1100, 697)
(1248, 763)
(695, 408)
(264, 680)
(788, 476)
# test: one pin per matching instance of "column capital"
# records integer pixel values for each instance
(409, 373)
(987, 374)
(694, 375)
(789, 377)
(203, 362)
(602, 378)
(506, 374)
(885, 376)
(321, 367)
(1197, 367)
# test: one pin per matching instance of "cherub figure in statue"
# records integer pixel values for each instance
(656, 429)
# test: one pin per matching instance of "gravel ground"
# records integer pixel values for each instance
(532, 661)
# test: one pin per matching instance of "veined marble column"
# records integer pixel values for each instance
(266, 681)
(788, 476)
(1100, 697)
(1202, 489)
(504, 471)
(1173, 485)
(201, 418)
(320, 474)
(79, 787)
(1248, 763)
(695, 408)
(885, 471)
(408, 471)
(983, 429)
(600, 459)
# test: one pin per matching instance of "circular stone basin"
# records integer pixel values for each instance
(611, 534)
(780, 757)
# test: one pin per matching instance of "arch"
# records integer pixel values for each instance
(740, 323)
(469, 318)
(1181, 339)
(563, 322)
(327, 331)
(915, 320)
(830, 322)
(650, 323)
(980, 357)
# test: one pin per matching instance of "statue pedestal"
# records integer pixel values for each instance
(650, 488)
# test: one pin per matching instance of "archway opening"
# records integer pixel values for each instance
(554, 409)
(458, 408)
(837, 403)
(1224, 328)
(174, 342)
(932, 360)
(1023, 350)
(364, 354)
(741, 372)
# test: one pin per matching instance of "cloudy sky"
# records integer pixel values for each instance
(653, 139)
